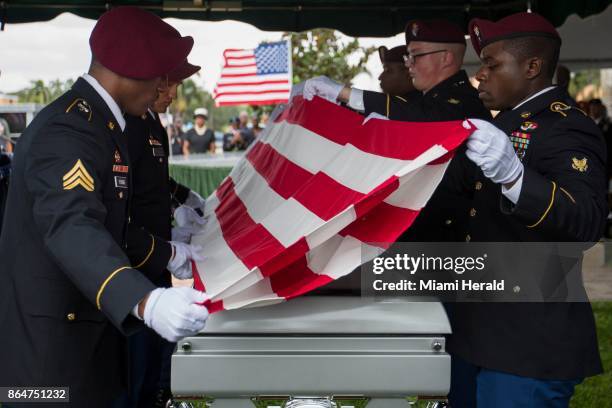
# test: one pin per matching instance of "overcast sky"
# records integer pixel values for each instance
(59, 49)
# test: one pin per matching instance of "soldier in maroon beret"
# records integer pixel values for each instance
(434, 56)
(69, 291)
(133, 51)
(155, 196)
(395, 79)
(539, 177)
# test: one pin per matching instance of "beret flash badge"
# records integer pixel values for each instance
(477, 33)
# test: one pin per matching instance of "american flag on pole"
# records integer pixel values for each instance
(319, 193)
(260, 76)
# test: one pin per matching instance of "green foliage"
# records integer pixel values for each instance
(323, 52)
(191, 96)
(583, 78)
(43, 93)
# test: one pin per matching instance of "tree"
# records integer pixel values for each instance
(191, 96)
(585, 80)
(323, 52)
(44, 93)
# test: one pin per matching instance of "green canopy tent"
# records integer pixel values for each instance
(360, 18)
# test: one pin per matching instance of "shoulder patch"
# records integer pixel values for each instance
(81, 107)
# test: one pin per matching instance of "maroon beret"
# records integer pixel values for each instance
(484, 32)
(437, 31)
(184, 71)
(395, 54)
(137, 44)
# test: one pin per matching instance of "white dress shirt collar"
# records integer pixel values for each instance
(112, 105)
(535, 95)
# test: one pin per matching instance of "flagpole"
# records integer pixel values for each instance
(290, 60)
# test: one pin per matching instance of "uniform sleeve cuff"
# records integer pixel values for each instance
(356, 100)
(513, 192)
(535, 201)
(118, 295)
(135, 311)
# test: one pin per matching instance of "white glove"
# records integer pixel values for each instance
(182, 234)
(187, 217)
(492, 151)
(174, 314)
(323, 87)
(195, 201)
(180, 263)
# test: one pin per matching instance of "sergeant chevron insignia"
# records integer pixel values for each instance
(78, 176)
(580, 164)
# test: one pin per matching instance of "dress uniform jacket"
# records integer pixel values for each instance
(67, 287)
(562, 199)
(5, 171)
(154, 194)
(452, 99)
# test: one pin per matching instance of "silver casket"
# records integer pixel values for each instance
(315, 351)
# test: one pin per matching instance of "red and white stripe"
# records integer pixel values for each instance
(317, 195)
(239, 83)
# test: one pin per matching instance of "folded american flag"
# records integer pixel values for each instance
(318, 194)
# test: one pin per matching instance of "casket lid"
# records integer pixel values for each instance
(334, 315)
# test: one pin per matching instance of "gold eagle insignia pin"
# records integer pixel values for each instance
(78, 176)
(580, 164)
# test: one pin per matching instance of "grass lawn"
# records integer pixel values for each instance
(597, 391)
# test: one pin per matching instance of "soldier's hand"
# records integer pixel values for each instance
(182, 234)
(175, 313)
(187, 217)
(491, 150)
(322, 86)
(195, 201)
(182, 255)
